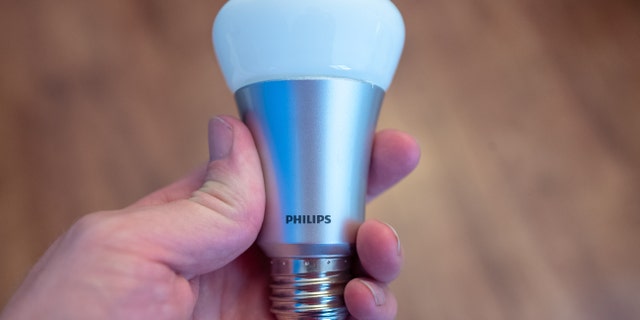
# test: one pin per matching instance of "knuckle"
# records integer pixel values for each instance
(231, 201)
(94, 229)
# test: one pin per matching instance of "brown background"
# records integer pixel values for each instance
(526, 203)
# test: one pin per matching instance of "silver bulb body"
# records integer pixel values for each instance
(314, 137)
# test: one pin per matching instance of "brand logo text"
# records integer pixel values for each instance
(307, 219)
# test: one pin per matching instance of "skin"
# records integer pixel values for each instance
(188, 250)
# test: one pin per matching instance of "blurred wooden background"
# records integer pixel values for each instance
(526, 204)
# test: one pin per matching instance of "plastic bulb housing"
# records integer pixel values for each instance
(309, 78)
(259, 40)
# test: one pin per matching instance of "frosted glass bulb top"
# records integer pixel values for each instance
(260, 40)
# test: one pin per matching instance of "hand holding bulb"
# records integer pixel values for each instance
(186, 251)
(311, 100)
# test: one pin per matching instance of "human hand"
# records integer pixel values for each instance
(187, 251)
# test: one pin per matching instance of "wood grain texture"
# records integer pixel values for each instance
(526, 204)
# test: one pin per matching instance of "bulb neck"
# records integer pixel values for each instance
(314, 138)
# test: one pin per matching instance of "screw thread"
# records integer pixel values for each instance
(309, 288)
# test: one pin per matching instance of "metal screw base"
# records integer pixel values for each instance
(309, 288)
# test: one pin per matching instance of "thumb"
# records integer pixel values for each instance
(219, 221)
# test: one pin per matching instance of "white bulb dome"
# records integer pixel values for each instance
(260, 40)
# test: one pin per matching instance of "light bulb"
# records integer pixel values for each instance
(309, 77)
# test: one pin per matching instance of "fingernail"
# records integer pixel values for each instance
(220, 139)
(395, 233)
(376, 291)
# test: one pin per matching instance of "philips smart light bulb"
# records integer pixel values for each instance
(309, 77)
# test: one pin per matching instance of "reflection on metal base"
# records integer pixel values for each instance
(309, 288)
